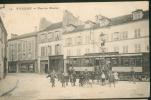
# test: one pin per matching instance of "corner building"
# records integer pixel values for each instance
(22, 53)
(3, 53)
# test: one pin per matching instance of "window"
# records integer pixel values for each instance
(116, 36)
(114, 62)
(125, 49)
(50, 36)
(68, 52)
(125, 62)
(116, 49)
(29, 46)
(87, 39)
(68, 41)
(79, 40)
(85, 62)
(19, 50)
(57, 49)
(42, 51)
(124, 35)
(57, 35)
(137, 14)
(43, 37)
(137, 33)
(138, 61)
(137, 48)
(78, 52)
(49, 50)
(132, 61)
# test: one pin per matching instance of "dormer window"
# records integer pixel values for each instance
(102, 20)
(89, 24)
(138, 14)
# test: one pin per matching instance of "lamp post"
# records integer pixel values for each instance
(102, 36)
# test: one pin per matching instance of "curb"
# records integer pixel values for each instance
(5, 93)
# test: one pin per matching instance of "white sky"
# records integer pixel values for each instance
(24, 21)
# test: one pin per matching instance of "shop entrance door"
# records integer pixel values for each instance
(46, 68)
(56, 63)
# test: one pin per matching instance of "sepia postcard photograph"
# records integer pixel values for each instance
(84, 50)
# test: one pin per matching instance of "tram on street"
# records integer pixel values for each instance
(121, 63)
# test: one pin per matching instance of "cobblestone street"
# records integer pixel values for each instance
(35, 86)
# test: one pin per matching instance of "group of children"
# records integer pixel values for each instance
(85, 77)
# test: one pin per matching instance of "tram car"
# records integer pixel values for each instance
(121, 63)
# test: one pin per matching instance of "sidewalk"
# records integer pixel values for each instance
(7, 85)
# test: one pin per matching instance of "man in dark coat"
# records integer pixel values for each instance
(63, 79)
(74, 78)
(111, 79)
(132, 75)
(81, 79)
(86, 76)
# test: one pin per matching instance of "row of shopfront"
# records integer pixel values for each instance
(55, 63)
(58, 64)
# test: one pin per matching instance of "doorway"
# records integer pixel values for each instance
(46, 68)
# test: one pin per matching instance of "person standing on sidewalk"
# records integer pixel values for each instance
(74, 78)
(63, 79)
(103, 78)
(111, 79)
(81, 79)
(132, 75)
(66, 75)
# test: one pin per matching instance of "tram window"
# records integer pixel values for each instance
(132, 62)
(138, 62)
(125, 62)
(91, 62)
(82, 62)
(97, 62)
(114, 62)
(74, 62)
(87, 62)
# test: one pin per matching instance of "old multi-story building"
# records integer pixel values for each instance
(50, 47)
(22, 53)
(50, 43)
(123, 34)
(3, 45)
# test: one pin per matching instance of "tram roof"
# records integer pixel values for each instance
(107, 55)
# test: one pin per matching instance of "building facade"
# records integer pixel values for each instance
(50, 48)
(3, 45)
(123, 34)
(22, 53)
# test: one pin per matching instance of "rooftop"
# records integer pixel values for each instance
(53, 26)
(114, 21)
(26, 35)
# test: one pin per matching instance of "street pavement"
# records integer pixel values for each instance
(7, 85)
(36, 86)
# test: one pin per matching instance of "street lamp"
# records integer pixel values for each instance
(102, 38)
